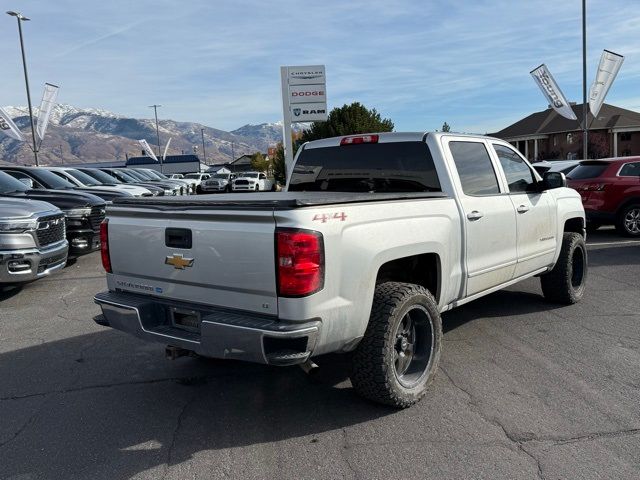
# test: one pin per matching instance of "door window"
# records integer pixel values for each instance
(630, 170)
(519, 175)
(474, 168)
(20, 175)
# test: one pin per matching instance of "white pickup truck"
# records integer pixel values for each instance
(376, 236)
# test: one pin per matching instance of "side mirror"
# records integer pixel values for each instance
(27, 181)
(552, 180)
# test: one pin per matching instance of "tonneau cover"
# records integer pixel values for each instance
(270, 200)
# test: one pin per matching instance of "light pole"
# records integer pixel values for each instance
(61, 154)
(585, 106)
(204, 152)
(21, 18)
(155, 110)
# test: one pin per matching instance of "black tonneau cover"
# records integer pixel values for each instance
(269, 200)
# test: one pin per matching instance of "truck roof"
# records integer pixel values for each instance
(387, 137)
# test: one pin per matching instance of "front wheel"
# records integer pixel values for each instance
(566, 282)
(628, 222)
(398, 356)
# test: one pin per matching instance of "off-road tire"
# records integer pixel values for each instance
(566, 282)
(621, 220)
(373, 362)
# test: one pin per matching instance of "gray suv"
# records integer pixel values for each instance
(32, 240)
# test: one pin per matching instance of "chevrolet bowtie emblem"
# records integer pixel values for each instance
(178, 261)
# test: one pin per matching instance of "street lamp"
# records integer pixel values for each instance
(21, 18)
(155, 109)
(204, 152)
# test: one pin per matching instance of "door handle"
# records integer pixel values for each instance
(522, 209)
(475, 215)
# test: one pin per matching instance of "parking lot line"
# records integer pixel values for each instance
(600, 244)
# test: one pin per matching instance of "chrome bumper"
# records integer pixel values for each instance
(17, 266)
(220, 333)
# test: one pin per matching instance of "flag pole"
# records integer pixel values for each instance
(585, 106)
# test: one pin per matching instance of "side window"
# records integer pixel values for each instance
(62, 176)
(519, 175)
(474, 168)
(630, 170)
(20, 175)
(262, 176)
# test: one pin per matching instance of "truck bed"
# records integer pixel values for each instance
(270, 200)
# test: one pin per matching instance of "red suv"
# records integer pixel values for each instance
(610, 191)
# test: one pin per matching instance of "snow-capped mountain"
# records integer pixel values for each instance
(92, 135)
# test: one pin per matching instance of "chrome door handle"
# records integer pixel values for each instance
(475, 215)
(522, 209)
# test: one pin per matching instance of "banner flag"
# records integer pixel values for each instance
(8, 127)
(48, 101)
(145, 146)
(166, 149)
(552, 92)
(608, 69)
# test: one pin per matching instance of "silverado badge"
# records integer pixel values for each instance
(178, 261)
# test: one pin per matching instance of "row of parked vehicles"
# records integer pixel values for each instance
(230, 182)
(47, 213)
(609, 188)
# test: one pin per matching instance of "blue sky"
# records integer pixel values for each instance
(217, 62)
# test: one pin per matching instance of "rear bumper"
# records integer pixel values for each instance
(221, 333)
(17, 266)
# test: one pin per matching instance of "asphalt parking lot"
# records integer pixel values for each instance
(526, 389)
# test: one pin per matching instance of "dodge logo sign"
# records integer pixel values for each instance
(296, 112)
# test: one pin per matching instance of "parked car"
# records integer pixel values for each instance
(610, 191)
(130, 179)
(562, 166)
(394, 229)
(218, 182)
(83, 212)
(176, 176)
(41, 177)
(184, 182)
(197, 178)
(81, 179)
(110, 179)
(252, 182)
(177, 187)
(32, 240)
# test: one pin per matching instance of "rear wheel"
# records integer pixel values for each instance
(566, 282)
(399, 353)
(628, 222)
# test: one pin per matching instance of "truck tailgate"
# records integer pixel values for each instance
(216, 256)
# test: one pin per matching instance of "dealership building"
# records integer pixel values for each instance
(546, 135)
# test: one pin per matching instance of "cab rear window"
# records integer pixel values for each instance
(589, 170)
(374, 168)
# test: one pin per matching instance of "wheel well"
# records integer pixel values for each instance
(575, 225)
(627, 203)
(421, 270)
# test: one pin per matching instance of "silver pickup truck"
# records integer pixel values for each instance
(376, 236)
(32, 240)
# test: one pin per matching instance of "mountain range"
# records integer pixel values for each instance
(79, 135)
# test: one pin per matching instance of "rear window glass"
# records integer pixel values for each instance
(587, 171)
(377, 167)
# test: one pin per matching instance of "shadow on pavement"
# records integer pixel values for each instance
(103, 403)
(9, 291)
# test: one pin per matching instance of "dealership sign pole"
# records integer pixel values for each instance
(304, 99)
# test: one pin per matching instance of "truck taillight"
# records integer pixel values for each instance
(355, 140)
(104, 245)
(300, 262)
